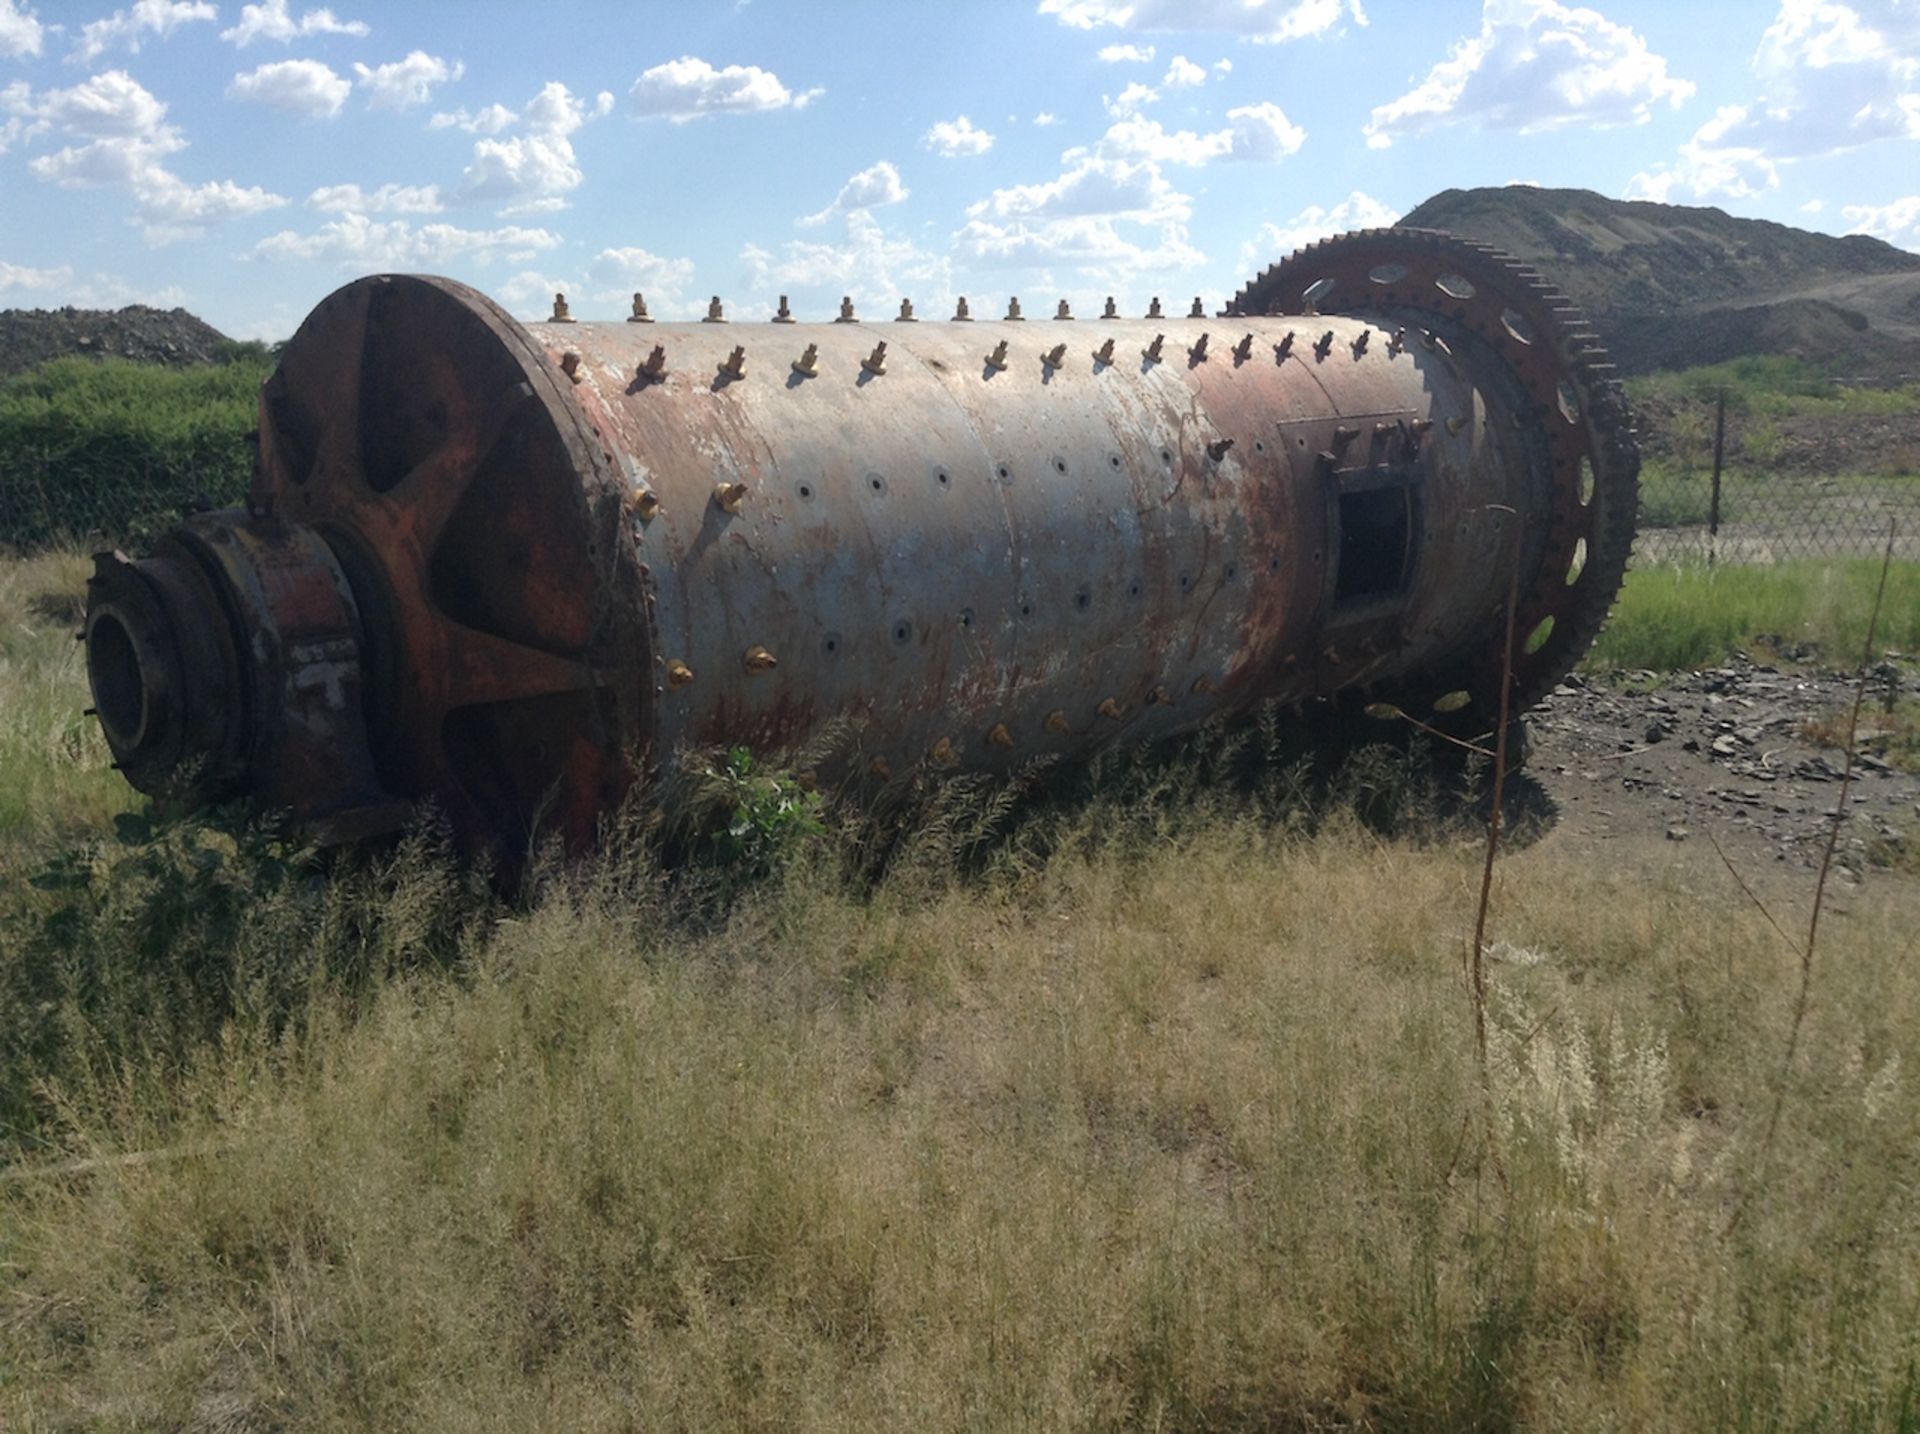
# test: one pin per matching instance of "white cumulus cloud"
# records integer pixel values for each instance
(1126, 54)
(1262, 21)
(21, 33)
(15, 276)
(406, 83)
(1045, 118)
(387, 199)
(357, 242)
(490, 120)
(1131, 100)
(302, 87)
(534, 170)
(1277, 240)
(1535, 65)
(124, 140)
(689, 88)
(1183, 74)
(874, 268)
(875, 186)
(1093, 185)
(624, 272)
(1897, 223)
(103, 291)
(1260, 134)
(956, 137)
(1833, 77)
(271, 20)
(134, 25)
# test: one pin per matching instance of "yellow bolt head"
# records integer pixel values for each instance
(758, 659)
(729, 495)
(678, 674)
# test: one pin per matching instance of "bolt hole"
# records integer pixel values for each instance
(1258, 446)
(1166, 457)
(1231, 572)
(1026, 609)
(876, 482)
(942, 477)
(1113, 460)
(966, 617)
(1579, 563)
(1133, 588)
(1569, 402)
(806, 491)
(1273, 563)
(1003, 472)
(903, 632)
(1082, 600)
(1186, 581)
(830, 644)
(1059, 465)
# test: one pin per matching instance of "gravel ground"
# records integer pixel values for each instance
(1723, 753)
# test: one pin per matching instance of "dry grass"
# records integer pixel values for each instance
(1140, 1137)
(1152, 1118)
(54, 778)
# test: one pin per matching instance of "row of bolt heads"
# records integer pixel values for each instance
(784, 315)
(654, 368)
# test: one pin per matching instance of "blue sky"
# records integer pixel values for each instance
(245, 159)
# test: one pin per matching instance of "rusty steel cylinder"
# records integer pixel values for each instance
(515, 569)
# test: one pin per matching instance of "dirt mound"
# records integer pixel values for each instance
(165, 336)
(1671, 286)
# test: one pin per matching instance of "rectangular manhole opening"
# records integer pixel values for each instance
(1376, 543)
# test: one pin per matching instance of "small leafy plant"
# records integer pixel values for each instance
(765, 817)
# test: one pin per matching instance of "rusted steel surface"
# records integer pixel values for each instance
(514, 569)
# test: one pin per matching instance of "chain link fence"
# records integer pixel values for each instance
(1730, 479)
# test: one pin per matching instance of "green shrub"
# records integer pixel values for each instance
(118, 449)
(1771, 386)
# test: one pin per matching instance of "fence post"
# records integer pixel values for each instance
(1719, 448)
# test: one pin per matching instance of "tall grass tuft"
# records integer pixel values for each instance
(1671, 617)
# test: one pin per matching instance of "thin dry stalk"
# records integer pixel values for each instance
(1479, 970)
(1748, 892)
(1805, 994)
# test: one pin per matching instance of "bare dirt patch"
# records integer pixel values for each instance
(1729, 752)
